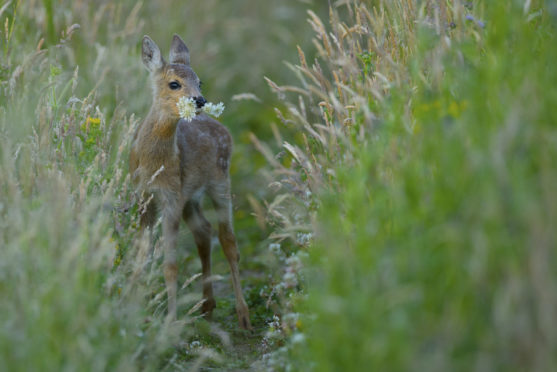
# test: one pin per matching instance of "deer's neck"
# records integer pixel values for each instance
(162, 125)
(158, 139)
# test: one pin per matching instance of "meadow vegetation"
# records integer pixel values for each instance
(424, 166)
(394, 183)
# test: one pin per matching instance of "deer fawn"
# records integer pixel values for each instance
(178, 162)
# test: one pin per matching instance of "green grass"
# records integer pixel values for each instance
(80, 288)
(434, 229)
(396, 211)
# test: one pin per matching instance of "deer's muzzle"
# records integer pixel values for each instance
(200, 101)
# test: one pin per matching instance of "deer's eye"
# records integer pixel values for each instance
(200, 83)
(174, 85)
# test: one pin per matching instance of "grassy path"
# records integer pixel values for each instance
(237, 349)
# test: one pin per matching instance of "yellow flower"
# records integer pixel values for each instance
(91, 123)
(456, 108)
(95, 122)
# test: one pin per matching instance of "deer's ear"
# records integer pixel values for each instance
(151, 54)
(179, 52)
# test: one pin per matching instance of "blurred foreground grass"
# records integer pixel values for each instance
(426, 168)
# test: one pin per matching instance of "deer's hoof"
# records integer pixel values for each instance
(208, 306)
(243, 319)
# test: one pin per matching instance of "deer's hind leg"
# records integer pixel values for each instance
(148, 218)
(170, 225)
(223, 206)
(148, 211)
(201, 230)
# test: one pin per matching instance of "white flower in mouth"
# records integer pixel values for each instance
(214, 109)
(187, 108)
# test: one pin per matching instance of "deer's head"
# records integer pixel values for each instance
(173, 79)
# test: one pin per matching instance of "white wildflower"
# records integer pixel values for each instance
(214, 109)
(290, 279)
(186, 108)
(275, 248)
(291, 319)
(304, 239)
(298, 338)
(294, 263)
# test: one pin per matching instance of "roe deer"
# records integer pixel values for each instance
(178, 162)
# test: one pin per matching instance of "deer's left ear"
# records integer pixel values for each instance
(151, 54)
(179, 52)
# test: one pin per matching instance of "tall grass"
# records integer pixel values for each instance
(81, 288)
(423, 164)
(412, 165)
(68, 301)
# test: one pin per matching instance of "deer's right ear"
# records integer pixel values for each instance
(179, 52)
(151, 54)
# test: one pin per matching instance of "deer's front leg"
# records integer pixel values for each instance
(170, 232)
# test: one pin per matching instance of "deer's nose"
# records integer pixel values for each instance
(200, 101)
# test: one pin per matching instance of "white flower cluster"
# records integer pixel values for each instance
(188, 108)
(304, 238)
(213, 109)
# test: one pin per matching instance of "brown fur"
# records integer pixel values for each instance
(195, 157)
